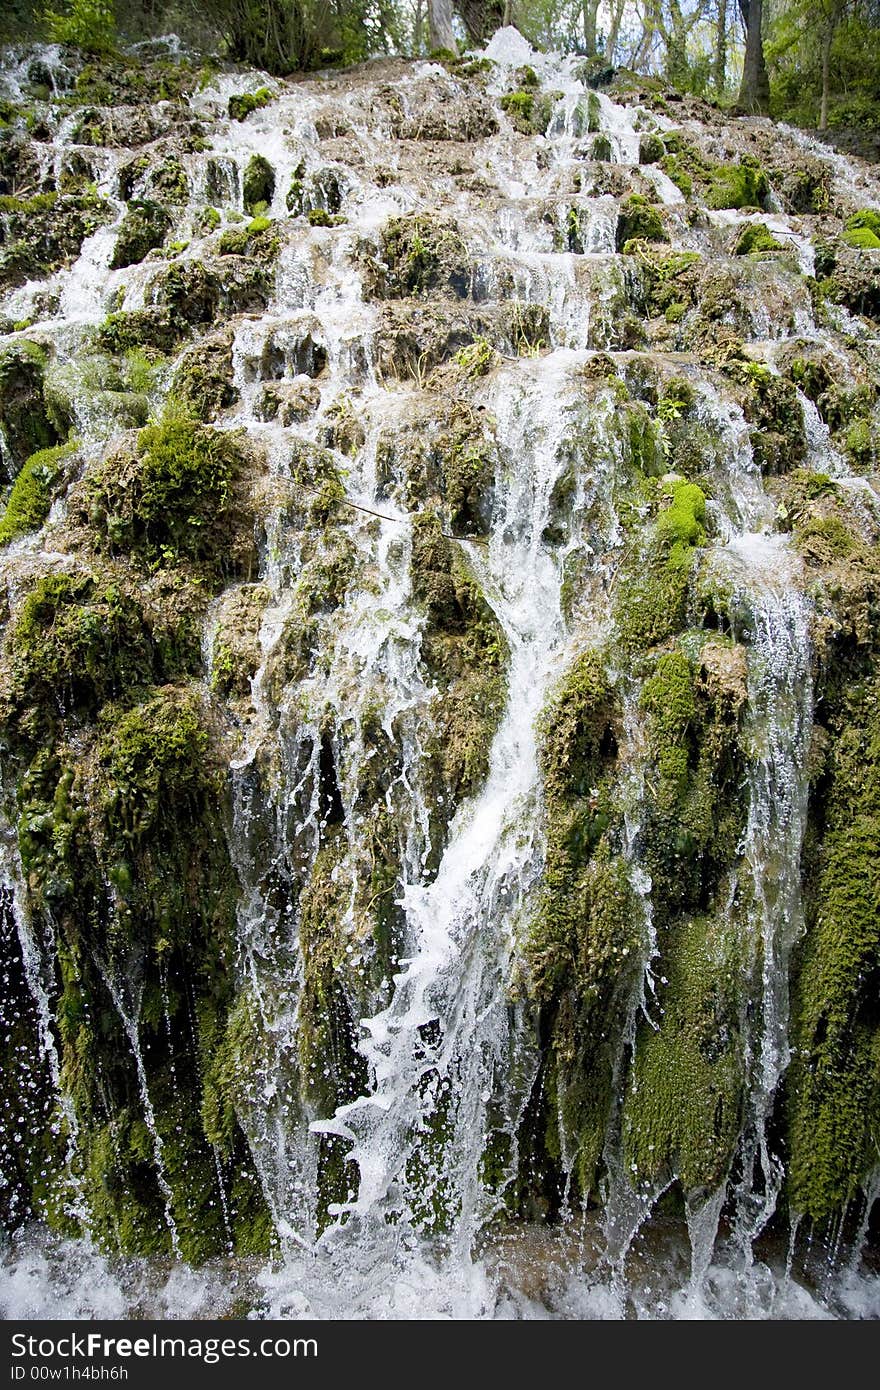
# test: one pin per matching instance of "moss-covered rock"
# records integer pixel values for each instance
(755, 239)
(41, 478)
(528, 111)
(682, 1111)
(204, 379)
(834, 1083)
(241, 104)
(420, 254)
(24, 419)
(41, 233)
(258, 184)
(144, 226)
(465, 652)
(174, 496)
(742, 185)
(652, 598)
(638, 219)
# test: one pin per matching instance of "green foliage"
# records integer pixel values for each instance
(742, 185)
(88, 24)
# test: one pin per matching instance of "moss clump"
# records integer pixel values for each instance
(637, 219)
(174, 500)
(27, 427)
(144, 226)
(577, 730)
(204, 382)
(250, 240)
(528, 113)
(834, 1081)
(755, 239)
(33, 492)
(862, 230)
(242, 104)
(38, 235)
(862, 443)
(157, 329)
(237, 653)
(581, 955)
(861, 239)
(743, 185)
(651, 600)
(76, 643)
(651, 149)
(126, 844)
(418, 255)
(258, 184)
(465, 653)
(694, 808)
(682, 1109)
(477, 359)
(772, 408)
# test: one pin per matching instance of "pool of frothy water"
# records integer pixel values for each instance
(522, 1273)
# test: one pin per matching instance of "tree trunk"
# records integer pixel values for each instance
(481, 18)
(720, 64)
(827, 40)
(440, 28)
(590, 13)
(614, 31)
(754, 92)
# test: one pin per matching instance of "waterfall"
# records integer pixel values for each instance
(504, 477)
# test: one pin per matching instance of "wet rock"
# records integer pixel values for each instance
(204, 377)
(144, 227)
(26, 425)
(290, 402)
(258, 184)
(39, 234)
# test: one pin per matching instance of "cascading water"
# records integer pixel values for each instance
(503, 465)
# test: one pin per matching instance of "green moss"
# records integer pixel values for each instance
(144, 226)
(637, 219)
(242, 104)
(27, 427)
(862, 239)
(465, 653)
(174, 500)
(694, 806)
(772, 408)
(477, 359)
(743, 185)
(33, 492)
(834, 1082)
(754, 239)
(651, 601)
(158, 329)
(75, 643)
(860, 442)
(258, 184)
(420, 254)
(204, 379)
(866, 219)
(682, 1109)
(581, 955)
(528, 113)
